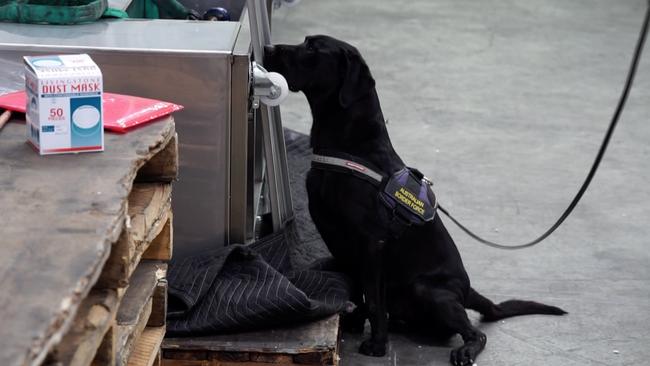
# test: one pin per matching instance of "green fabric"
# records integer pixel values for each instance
(155, 9)
(115, 13)
(84, 11)
(52, 11)
(143, 9)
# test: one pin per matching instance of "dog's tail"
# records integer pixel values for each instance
(493, 312)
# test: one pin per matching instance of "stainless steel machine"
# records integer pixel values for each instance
(228, 148)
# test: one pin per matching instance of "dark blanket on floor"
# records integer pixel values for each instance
(246, 287)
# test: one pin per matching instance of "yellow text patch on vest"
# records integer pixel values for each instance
(410, 200)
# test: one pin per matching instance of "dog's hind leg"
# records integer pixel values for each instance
(444, 310)
(493, 312)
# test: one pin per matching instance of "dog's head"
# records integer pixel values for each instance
(322, 65)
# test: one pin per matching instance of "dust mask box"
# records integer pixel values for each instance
(64, 104)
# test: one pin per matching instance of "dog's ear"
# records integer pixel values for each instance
(357, 81)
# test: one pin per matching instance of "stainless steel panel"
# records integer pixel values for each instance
(141, 35)
(202, 84)
(241, 214)
(135, 58)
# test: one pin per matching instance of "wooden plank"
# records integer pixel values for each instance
(181, 355)
(149, 205)
(158, 360)
(159, 305)
(64, 212)
(271, 358)
(140, 290)
(230, 356)
(94, 317)
(317, 336)
(163, 167)
(128, 335)
(172, 362)
(147, 349)
(107, 349)
(287, 363)
(4, 118)
(251, 364)
(117, 269)
(162, 246)
(313, 358)
(136, 307)
(149, 213)
(314, 343)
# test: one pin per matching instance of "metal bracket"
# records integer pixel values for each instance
(275, 155)
(266, 86)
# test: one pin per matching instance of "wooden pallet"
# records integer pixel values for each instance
(147, 351)
(147, 229)
(109, 324)
(76, 232)
(314, 343)
(122, 320)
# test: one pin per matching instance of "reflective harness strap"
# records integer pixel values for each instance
(348, 164)
(399, 221)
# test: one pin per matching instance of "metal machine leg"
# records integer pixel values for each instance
(277, 173)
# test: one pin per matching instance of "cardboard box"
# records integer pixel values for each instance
(64, 104)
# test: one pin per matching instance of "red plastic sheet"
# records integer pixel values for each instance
(121, 112)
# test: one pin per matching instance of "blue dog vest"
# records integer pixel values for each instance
(407, 192)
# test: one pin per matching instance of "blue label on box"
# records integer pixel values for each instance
(85, 121)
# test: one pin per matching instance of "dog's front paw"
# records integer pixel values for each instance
(369, 347)
(464, 356)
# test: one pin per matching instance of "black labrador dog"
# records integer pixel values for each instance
(410, 273)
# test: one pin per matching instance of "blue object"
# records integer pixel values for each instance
(217, 13)
(85, 122)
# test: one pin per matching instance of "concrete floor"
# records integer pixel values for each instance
(504, 103)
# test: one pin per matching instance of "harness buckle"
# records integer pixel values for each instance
(418, 174)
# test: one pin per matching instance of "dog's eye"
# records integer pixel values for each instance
(310, 47)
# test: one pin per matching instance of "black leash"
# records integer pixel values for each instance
(603, 147)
